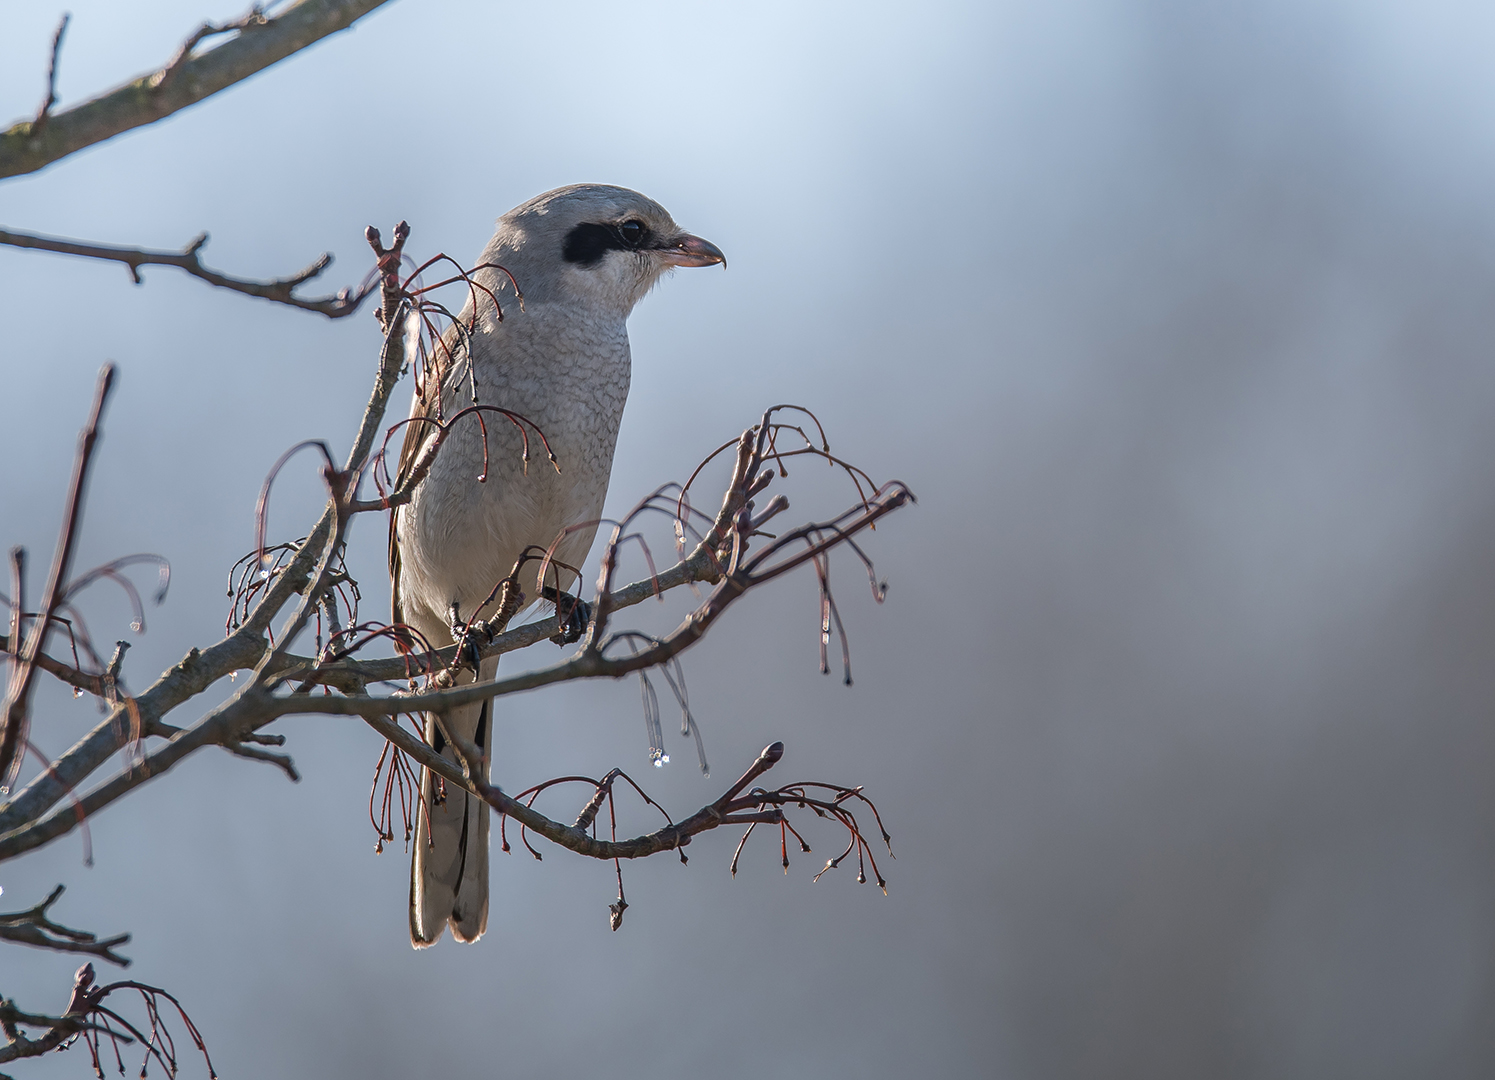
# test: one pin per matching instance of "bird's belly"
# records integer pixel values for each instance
(460, 535)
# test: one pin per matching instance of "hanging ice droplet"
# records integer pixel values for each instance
(77, 691)
(264, 572)
(661, 761)
(136, 626)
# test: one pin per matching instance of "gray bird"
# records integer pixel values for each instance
(583, 256)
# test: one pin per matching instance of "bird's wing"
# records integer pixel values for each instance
(425, 405)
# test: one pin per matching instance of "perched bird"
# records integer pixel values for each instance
(583, 256)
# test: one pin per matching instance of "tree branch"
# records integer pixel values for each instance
(88, 1016)
(256, 705)
(13, 717)
(82, 680)
(352, 676)
(591, 663)
(675, 835)
(33, 927)
(258, 42)
(242, 649)
(279, 290)
(722, 555)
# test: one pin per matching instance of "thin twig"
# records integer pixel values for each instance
(278, 290)
(14, 716)
(35, 928)
(44, 114)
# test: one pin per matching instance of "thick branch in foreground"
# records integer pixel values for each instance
(259, 41)
(278, 290)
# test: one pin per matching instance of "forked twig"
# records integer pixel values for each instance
(35, 927)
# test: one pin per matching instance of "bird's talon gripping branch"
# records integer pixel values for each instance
(574, 613)
(466, 635)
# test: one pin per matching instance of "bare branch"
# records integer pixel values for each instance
(241, 650)
(258, 42)
(756, 807)
(33, 927)
(244, 648)
(572, 837)
(592, 663)
(254, 753)
(279, 290)
(352, 676)
(13, 718)
(87, 1016)
(89, 684)
(730, 554)
(256, 705)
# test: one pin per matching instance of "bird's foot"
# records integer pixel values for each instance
(468, 638)
(574, 613)
(471, 638)
(510, 600)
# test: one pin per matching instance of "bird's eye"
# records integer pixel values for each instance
(632, 233)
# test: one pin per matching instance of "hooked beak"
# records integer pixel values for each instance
(688, 250)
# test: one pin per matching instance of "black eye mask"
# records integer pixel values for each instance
(587, 243)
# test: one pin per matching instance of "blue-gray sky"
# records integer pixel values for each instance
(1177, 318)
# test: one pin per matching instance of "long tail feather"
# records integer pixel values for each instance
(449, 867)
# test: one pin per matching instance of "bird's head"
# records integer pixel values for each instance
(596, 245)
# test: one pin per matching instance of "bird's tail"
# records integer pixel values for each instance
(449, 867)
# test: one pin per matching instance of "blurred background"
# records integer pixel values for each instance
(1176, 317)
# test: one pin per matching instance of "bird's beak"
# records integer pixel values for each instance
(688, 250)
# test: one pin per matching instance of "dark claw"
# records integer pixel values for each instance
(468, 649)
(575, 615)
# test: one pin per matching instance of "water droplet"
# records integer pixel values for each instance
(136, 626)
(264, 572)
(233, 676)
(77, 691)
(661, 760)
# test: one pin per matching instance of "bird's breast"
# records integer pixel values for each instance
(563, 383)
